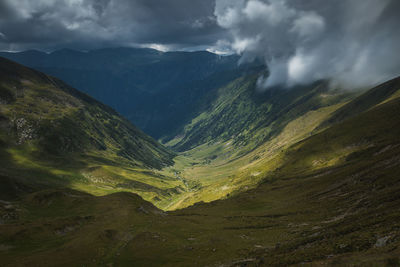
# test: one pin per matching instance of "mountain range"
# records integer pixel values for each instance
(243, 177)
(154, 90)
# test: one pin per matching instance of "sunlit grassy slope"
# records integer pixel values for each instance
(244, 135)
(331, 197)
(54, 136)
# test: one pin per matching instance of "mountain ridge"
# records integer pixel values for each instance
(130, 79)
(50, 130)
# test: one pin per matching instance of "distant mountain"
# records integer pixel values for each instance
(157, 91)
(54, 135)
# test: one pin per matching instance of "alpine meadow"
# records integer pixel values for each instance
(199, 133)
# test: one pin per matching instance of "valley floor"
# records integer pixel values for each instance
(344, 215)
(219, 169)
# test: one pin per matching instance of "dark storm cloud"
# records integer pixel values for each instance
(352, 42)
(85, 24)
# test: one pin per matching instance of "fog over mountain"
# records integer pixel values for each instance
(354, 43)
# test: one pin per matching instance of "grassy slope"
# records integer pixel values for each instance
(371, 98)
(243, 136)
(53, 135)
(334, 199)
(249, 117)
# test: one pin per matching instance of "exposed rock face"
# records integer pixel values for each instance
(24, 130)
(381, 242)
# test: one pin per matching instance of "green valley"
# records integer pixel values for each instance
(307, 175)
(242, 137)
(209, 133)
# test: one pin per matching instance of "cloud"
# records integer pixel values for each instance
(308, 25)
(352, 43)
(84, 24)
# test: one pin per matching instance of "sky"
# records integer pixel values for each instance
(354, 43)
(89, 24)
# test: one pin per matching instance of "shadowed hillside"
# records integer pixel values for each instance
(53, 135)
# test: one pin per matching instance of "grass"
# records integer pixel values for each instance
(242, 137)
(345, 214)
(52, 136)
(309, 183)
(221, 172)
(84, 145)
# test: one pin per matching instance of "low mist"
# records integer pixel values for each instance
(352, 43)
